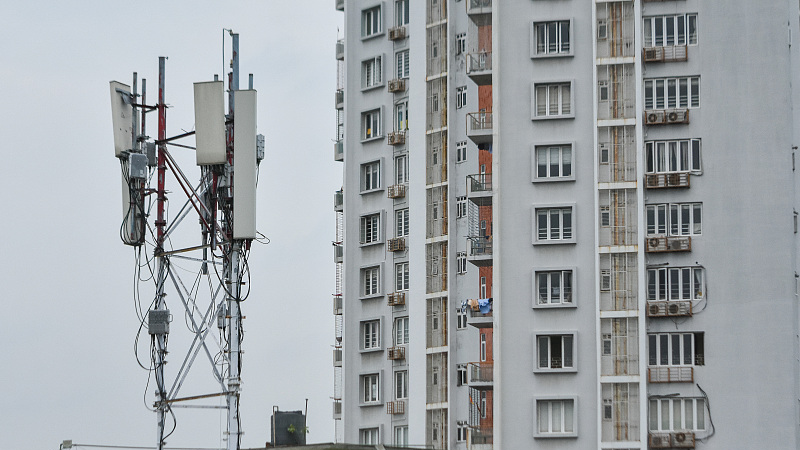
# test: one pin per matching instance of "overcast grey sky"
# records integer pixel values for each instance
(70, 323)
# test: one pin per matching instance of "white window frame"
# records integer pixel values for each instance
(461, 43)
(676, 30)
(370, 176)
(369, 436)
(554, 287)
(372, 73)
(401, 222)
(483, 288)
(564, 155)
(670, 93)
(549, 224)
(401, 64)
(370, 333)
(401, 282)
(544, 358)
(461, 263)
(676, 283)
(461, 207)
(547, 38)
(673, 156)
(461, 433)
(370, 388)
(401, 169)
(401, 385)
(557, 100)
(461, 374)
(401, 436)
(461, 97)
(483, 347)
(401, 12)
(371, 126)
(461, 151)
(370, 229)
(401, 115)
(370, 281)
(671, 411)
(483, 403)
(461, 320)
(371, 22)
(674, 219)
(674, 350)
(555, 417)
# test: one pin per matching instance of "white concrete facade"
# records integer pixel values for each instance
(636, 224)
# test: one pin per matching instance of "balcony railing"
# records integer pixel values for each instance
(396, 191)
(479, 67)
(396, 407)
(396, 299)
(671, 439)
(478, 320)
(338, 253)
(338, 305)
(666, 116)
(480, 374)
(396, 353)
(339, 99)
(479, 7)
(337, 409)
(397, 33)
(397, 85)
(479, 126)
(680, 308)
(397, 138)
(480, 246)
(396, 244)
(657, 244)
(666, 180)
(670, 374)
(481, 437)
(340, 49)
(665, 54)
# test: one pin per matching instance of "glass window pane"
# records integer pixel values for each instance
(544, 416)
(544, 355)
(677, 416)
(567, 224)
(653, 422)
(664, 414)
(567, 351)
(555, 413)
(676, 350)
(688, 414)
(568, 416)
(541, 163)
(566, 158)
(700, 423)
(663, 350)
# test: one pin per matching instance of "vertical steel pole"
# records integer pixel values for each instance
(160, 339)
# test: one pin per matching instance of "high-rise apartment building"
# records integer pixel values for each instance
(568, 224)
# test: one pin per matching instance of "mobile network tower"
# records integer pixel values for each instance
(224, 201)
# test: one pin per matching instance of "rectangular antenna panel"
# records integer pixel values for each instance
(209, 123)
(244, 165)
(121, 117)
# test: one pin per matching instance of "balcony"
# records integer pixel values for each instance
(338, 253)
(479, 189)
(480, 250)
(397, 138)
(339, 101)
(658, 244)
(666, 180)
(397, 85)
(669, 309)
(480, 375)
(339, 5)
(670, 374)
(340, 50)
(338, 151)
(397, 33)
(396, 299)
(480, 439)
(666, 116)
(337, 357)
(671, 439)
(478, 320)
(338, 305)
(396, 353)
(337, 409)
(672, 53)
(338, 201)
(396, 407)
(396, 191)
(396, 244)
(479, 127)
(480, 11)
(479, 67)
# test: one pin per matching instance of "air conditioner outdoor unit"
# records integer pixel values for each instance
(673, 309)
(653, 244)
(683, 439)
(655, 309)
(397, 33)
(678, 244)
(397, 85)
(676, 116)
(654, 117)
(659, 441)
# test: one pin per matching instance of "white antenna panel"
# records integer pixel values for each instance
(244, 165)
(121, 117)
(209, 122)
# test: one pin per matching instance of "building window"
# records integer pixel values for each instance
(461, 207)
(371, 24)
(462, 375)
(664, 93)
(401, 12)
(554, 287)
(401, 276)
(401, 385)
(401, 222)
(461, 97)
(552, 100)
(401, 436)
(666, 31)
(673, 156)
(684, 219)
(552, 38)
(483, 287)
(370, 277)
(675, 283)
(402, 64)
(401, 116)
(370, 176)
(370, 229)
(461, 323)
(461, 43)
(676, 414)
(555, 351)
(555, 417)
(368, 436)
(605, 216)
(371, 335)
(461, 151)
(371, 124)
(371, 72)
(461, 433)
(676, 349)
(483, 347)
(370, 385)
(554, 224)
(553, 162)
(483, 404)
(401, 169)
(461, 262)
